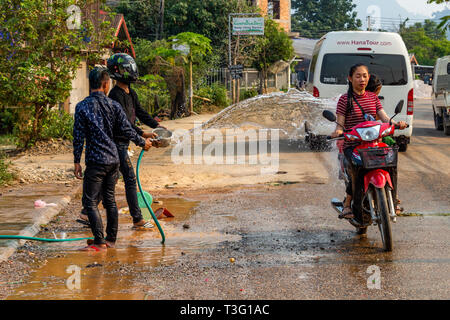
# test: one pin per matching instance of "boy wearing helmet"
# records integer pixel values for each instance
(123, 69)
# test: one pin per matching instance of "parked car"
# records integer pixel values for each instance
(386, 56)
(441, 94)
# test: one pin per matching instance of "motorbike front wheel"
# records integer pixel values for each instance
(384, 222)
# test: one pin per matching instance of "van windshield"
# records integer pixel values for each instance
(389, 68)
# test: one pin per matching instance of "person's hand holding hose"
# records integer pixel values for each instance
(148, 144)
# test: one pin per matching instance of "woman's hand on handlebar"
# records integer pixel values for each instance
(401, 125)
(337, 133)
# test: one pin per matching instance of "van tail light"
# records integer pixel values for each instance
(316, 92)
(410, 109)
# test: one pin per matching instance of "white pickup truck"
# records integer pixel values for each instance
(441, 94)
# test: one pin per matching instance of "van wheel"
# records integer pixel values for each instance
(437, 121)
(446, 124)
(402, 147)
(447, 130)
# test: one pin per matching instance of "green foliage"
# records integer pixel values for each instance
(426, 41)
(54, 124)
(43, 54)
(249, 93)
(199, 45)
(150, 88)
(57, 125)
(274, 46)
(8, 139)
(314, 18)
(147, 51)
(217, 93)
(206, 17)
(142, 17)
(8, 118)
(5, 174)
(445, 21)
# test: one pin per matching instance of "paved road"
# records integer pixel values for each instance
(293, 247)
(285, 240)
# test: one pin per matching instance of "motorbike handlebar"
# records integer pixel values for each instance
(337, 138)
(398, 126)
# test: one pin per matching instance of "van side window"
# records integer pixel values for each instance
(448, 68)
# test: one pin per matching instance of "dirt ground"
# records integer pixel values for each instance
(252, 235)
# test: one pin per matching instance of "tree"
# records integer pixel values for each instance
(142, 17)
(426, 41)
(206, 17)
(197, 47)
(274, 46)
(157, 59)
(314, 18)
(42, 54)
(445, 21)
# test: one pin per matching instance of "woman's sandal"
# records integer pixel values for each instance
(346, 213)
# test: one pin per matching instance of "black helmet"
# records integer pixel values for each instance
(123, 68)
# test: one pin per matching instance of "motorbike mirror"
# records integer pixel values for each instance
(329, 115)
(399, 107)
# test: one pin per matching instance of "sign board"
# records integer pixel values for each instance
(236, 71)
(248, 26)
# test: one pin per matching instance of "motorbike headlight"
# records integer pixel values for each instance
(370, 133)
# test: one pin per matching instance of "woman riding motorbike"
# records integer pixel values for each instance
(349, 112)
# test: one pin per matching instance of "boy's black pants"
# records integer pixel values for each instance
(101, 180)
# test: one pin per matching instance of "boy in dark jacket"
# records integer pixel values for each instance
(98, 120)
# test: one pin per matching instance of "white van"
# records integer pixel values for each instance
(386, 56)
(441, 94)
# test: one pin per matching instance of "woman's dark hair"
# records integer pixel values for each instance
(350, 87)
(97, 76)
(374, 83)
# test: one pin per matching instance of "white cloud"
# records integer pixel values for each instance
(422, 7)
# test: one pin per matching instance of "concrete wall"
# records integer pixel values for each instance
(80, 87)
(285, 13)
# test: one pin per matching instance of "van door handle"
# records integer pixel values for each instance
(381, 97)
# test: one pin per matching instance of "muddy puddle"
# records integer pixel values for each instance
(14, 218)
(109, 275)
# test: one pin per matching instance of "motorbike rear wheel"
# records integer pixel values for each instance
(384, 222)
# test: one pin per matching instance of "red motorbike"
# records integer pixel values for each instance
(376, 205)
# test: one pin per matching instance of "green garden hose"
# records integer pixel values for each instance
(145, 200)
(41, 239)
(15, 237)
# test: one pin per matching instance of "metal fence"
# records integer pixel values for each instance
(250, 79)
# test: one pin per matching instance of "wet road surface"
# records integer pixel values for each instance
(284, 242)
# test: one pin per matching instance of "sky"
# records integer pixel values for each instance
(422, 7)
(394, 10)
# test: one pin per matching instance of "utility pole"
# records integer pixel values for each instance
(160, 27)
(368, 24)
(161, 21)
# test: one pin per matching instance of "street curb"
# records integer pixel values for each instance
(45, 216)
